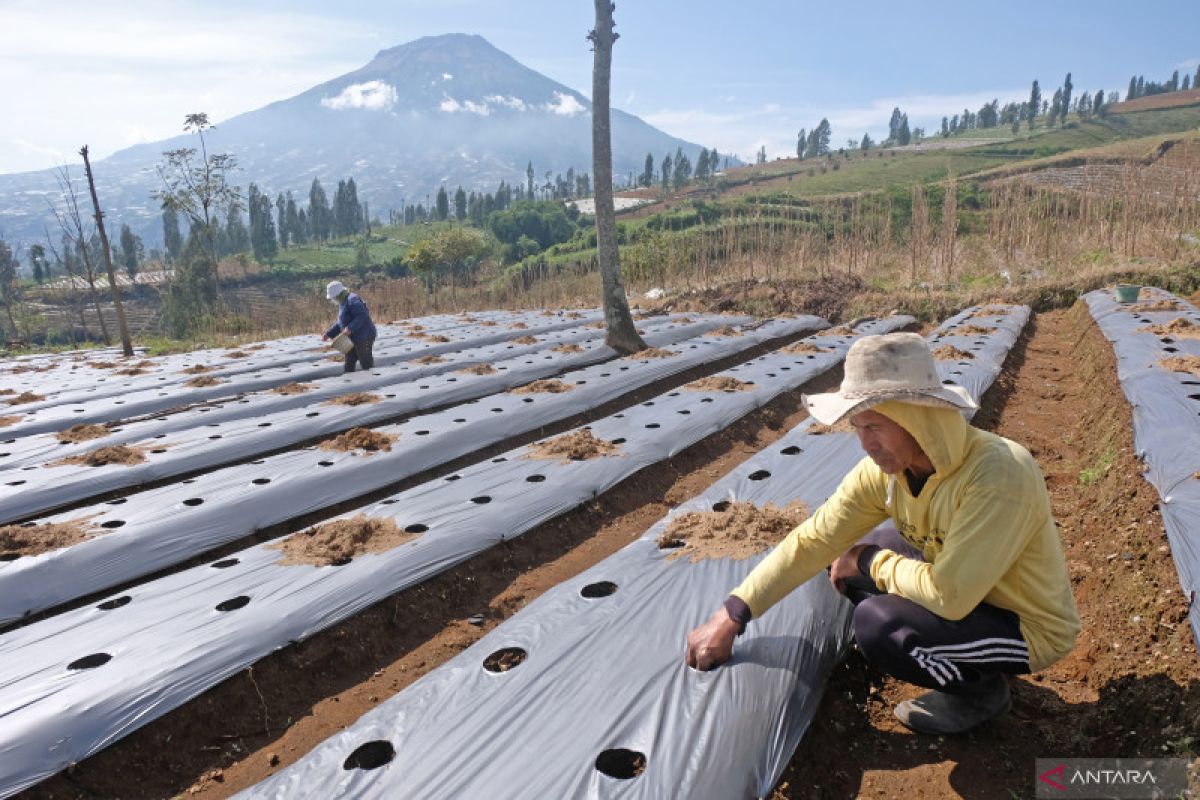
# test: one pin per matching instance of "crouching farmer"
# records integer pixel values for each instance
(355, 319)
(965, 584)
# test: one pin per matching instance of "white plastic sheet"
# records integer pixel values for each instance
(607, 673)
(168, 525)
(151, 648)
(1166, 420)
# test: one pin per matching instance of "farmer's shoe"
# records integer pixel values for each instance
(940, 713)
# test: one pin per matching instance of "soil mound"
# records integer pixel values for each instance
(719, 383)
(544, 387)
(1157, 305)
(578, 446)
(1182, 327)
(800, 348)
(526, 340)
(840, 330)
(433, 338)
(293, 388)
(598, 325)
(360, 439)
(489, 323)
(970, 330)
(32, 540)
(724, 330)
(569, 347)
(25, 397)
(124, 454)
(820, 428)
(948, 352)
(573, 315)
(236, 354)
(653, 352)
(988, 311)
(101, 364)
(131, 371)
(6, 421)
(335, 543)
(730, 530)
(479, 369)
(354, 399)
(81, 433)
(431, 359)
(197, 369)
(203, 380)
(518, 326)
(1181, 364)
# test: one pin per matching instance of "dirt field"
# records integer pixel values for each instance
(1131, 686)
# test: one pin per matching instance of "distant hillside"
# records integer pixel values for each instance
(448, 109)
(1155, 101)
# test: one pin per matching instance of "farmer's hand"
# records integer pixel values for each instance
(712, 643)
(324, 337)
(845, 568)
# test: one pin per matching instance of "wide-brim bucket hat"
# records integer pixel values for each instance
(894, 366)
(334, 290)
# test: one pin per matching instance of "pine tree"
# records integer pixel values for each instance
(443, 204)
(894, 125)
(1131, 92)
(460, 204)
(904, 134)
(294, 225)
(1187, 82)
(281, 221)
(866, 143)
(132, 251)
(529, 181)
(1035, 103)
(1056, 107)
(1065, 102)
(1196, 79)
(665, 167)
(172, 240)
(38, 263)
(319, 215)
(801, 144)
(1174, 81)
(237, 238)
(1141, 86)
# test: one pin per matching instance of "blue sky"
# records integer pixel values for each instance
(111, 73)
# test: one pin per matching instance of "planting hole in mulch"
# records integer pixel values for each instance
(1157, 305)
(653, 352)
(198, 369)
(569, 347)
(361, 439)
(544, 387)
(621, 764)
(578, 446)
(970, 330)
(371, 755)
(90, 662)
(234, 603)
(949, 352)
(724, 330)
(336, 542)
(115, 603)
(124, 454)
(1180, 326)
(81, 433)
(1181, 364)
(31, 540)
(504, 659)
(597, 590)
(739, 531)
(803, 348)
(25, 397)
(354, 399)
(293, 388)
(479, 369)
(202, 381)
(719, 383)
(431, 359)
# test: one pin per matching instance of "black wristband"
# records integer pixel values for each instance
(866, 557)
(738, 611)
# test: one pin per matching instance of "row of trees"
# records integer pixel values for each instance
(677, 171)
(1140, 87)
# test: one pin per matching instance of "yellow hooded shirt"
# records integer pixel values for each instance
(982, 522)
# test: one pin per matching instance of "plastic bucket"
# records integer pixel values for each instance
(1127, 293)
(343, 345)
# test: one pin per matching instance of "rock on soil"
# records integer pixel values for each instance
(361, 439)
(81, 433)
(336, 542)
(544, 387)
(719, 383)
(730, 530)
(949, 352)
(123, 454)
(293, 388)
(354, 399)
(32, 540)
(479, 369)
(578, 446)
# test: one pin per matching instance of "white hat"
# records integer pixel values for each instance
(895, 366)
(334, 289)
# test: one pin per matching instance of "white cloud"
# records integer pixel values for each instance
(452, 106)
(771, 108)
(565, 105)
(514, 103)
(446, 76)
(372, 96)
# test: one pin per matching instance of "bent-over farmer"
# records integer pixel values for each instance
(355, 319)
(965, 584)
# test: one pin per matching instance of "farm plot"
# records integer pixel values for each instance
(1157, 346)
(589, 679)
(197, 383)
(83, 437)
(121, 539)
(243, 607)
(39, 488)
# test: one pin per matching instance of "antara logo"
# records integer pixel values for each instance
(1046, 777)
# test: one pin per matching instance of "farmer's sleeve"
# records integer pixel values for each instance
(992, 524)
(333, 329)
(858, 505)
(355, 312)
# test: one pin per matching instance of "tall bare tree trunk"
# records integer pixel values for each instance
(621, 334)
(126, 344)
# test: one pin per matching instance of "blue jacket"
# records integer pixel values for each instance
(353, 317)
